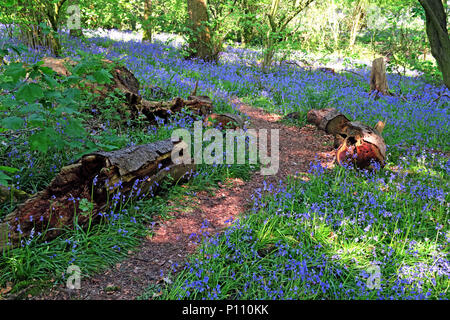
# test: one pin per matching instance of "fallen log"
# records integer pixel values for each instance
(126, 83)
(135, 170)
(356, 143)
(122, 80)
(198, 105)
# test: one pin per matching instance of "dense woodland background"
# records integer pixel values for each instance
(395, 29)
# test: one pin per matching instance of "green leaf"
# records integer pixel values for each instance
(102, 76)
(29, 108)
(8, 104)
(52, 94)
(47, 71)
(12, 123)
(4, 179)
(65, 109)
(30, 92)
(50, 81)
(74, 128)
(8, 169)
(15, 71)
(40, 141)
(36, 119)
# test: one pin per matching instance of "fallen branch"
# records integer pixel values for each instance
(353, 72)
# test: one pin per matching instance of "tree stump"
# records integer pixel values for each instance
(356, 143)
(378, 80)
(136, 170)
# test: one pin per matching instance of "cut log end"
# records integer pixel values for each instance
(356, 143)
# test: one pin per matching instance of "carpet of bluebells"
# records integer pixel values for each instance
(327, 234)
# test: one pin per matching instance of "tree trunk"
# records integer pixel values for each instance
(356, 23)
(356, 143)
(75, 32)
(96, 177)
(436, 27)
(200, 40)
(147, 21)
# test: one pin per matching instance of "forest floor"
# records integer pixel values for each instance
(174, 239)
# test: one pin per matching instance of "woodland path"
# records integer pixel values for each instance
(172, 241)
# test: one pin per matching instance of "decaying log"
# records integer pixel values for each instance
(224, 120)
(123, 79)
(125, 82)
(7, 194)
(356, 143)
(378, 80)
(330, 120)
(95, 177)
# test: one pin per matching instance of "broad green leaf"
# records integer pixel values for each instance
(50, 81)
(102, 76)
(36, 119)
(40, 141)
(8, 104)
(30, 92)
(4, 179)
(65, 109)
(34, 107)
(50, 94)
(47, 71)
(15, 71)
(8, 169)
(12, 123)
(74, 128)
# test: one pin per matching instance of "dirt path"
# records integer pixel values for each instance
(175, 239)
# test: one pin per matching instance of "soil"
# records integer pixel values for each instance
(175, 239)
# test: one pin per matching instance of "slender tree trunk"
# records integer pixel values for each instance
(76, 32)
(269, 50)
(147, 22)
(356, 23)
(200, 40)
(436, 27)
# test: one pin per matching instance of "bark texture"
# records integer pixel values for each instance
(378, 80)
(436, 27)
(200, 40)
(137, 170)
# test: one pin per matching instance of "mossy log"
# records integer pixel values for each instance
(356, 143)
(136, 170)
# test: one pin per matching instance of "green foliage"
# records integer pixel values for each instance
(39, 104)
